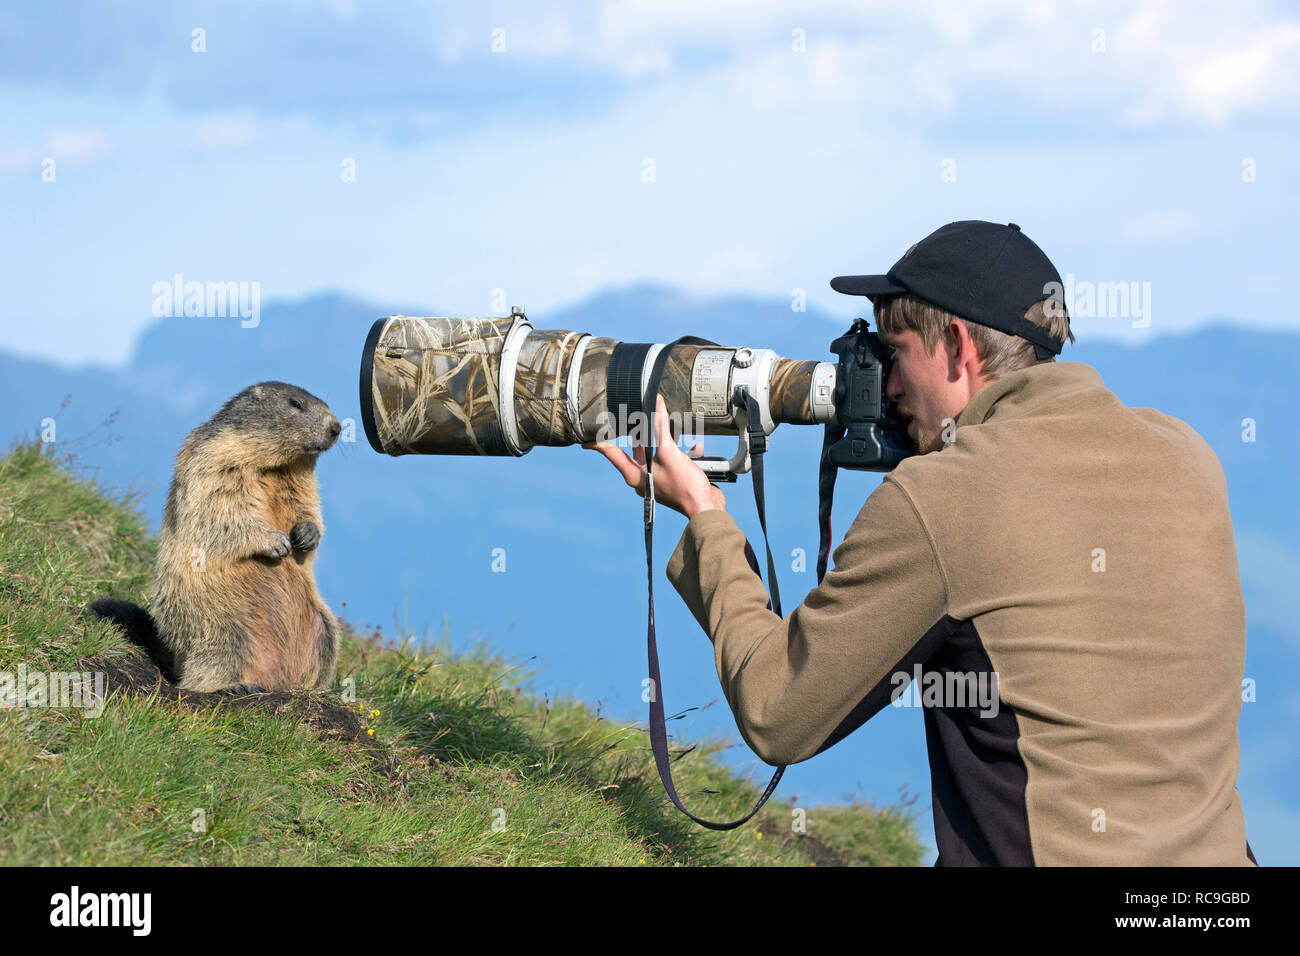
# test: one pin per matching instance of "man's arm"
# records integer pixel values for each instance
(791, 682)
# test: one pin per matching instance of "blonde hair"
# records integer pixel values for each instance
(999, 352)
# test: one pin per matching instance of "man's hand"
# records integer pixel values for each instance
(679, 482)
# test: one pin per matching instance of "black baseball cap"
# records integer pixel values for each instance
(982, 271)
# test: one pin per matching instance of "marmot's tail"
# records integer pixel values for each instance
(140, 630)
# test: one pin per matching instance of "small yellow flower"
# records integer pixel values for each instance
(374, 713)
(758, 834)
(371, 731)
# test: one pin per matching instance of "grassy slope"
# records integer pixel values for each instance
(451, 744)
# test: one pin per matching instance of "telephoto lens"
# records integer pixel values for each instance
(498, 386)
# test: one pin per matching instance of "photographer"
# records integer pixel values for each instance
(1071, 554)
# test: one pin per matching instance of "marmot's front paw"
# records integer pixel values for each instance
(304, 536)
(279, 546)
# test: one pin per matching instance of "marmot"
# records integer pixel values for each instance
(235, 604)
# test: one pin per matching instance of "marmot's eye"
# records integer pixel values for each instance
(295, 403)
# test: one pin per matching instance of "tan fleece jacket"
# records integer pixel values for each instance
(1062, 578)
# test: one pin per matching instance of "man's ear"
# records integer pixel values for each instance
(959, 346)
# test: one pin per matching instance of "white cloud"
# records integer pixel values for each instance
(1162, 62)
(226, 132)
(68, 144)
(1180, 66)
(77, 144)
(1248, 76)
(344, 9)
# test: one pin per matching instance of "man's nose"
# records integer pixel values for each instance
(893, 388)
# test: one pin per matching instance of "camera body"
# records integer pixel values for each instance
(875, 438)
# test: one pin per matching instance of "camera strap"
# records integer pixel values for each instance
(758, 445)
(825, 495)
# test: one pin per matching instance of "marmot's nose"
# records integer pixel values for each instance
(334, 428)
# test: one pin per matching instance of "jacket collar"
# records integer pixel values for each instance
(1019, 392)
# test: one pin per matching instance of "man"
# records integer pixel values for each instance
(1057, 569)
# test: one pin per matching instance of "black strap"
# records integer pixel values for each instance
(658, 730)
(757, 447)
(825, 495)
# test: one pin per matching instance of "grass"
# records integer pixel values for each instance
(444, 758)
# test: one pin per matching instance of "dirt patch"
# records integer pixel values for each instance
(136, 675)
(821, 853)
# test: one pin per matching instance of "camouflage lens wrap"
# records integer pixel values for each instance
(790, 395)
(434, 386)
(434, 383)
(541, 379)
(591, 385)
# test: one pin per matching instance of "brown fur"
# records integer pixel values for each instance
(229, 603)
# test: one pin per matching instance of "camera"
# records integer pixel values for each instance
(499, 386)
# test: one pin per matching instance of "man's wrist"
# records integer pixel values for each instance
(714, 500)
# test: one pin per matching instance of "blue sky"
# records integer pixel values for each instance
(788, 146)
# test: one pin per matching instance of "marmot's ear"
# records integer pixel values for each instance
(256, 393)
